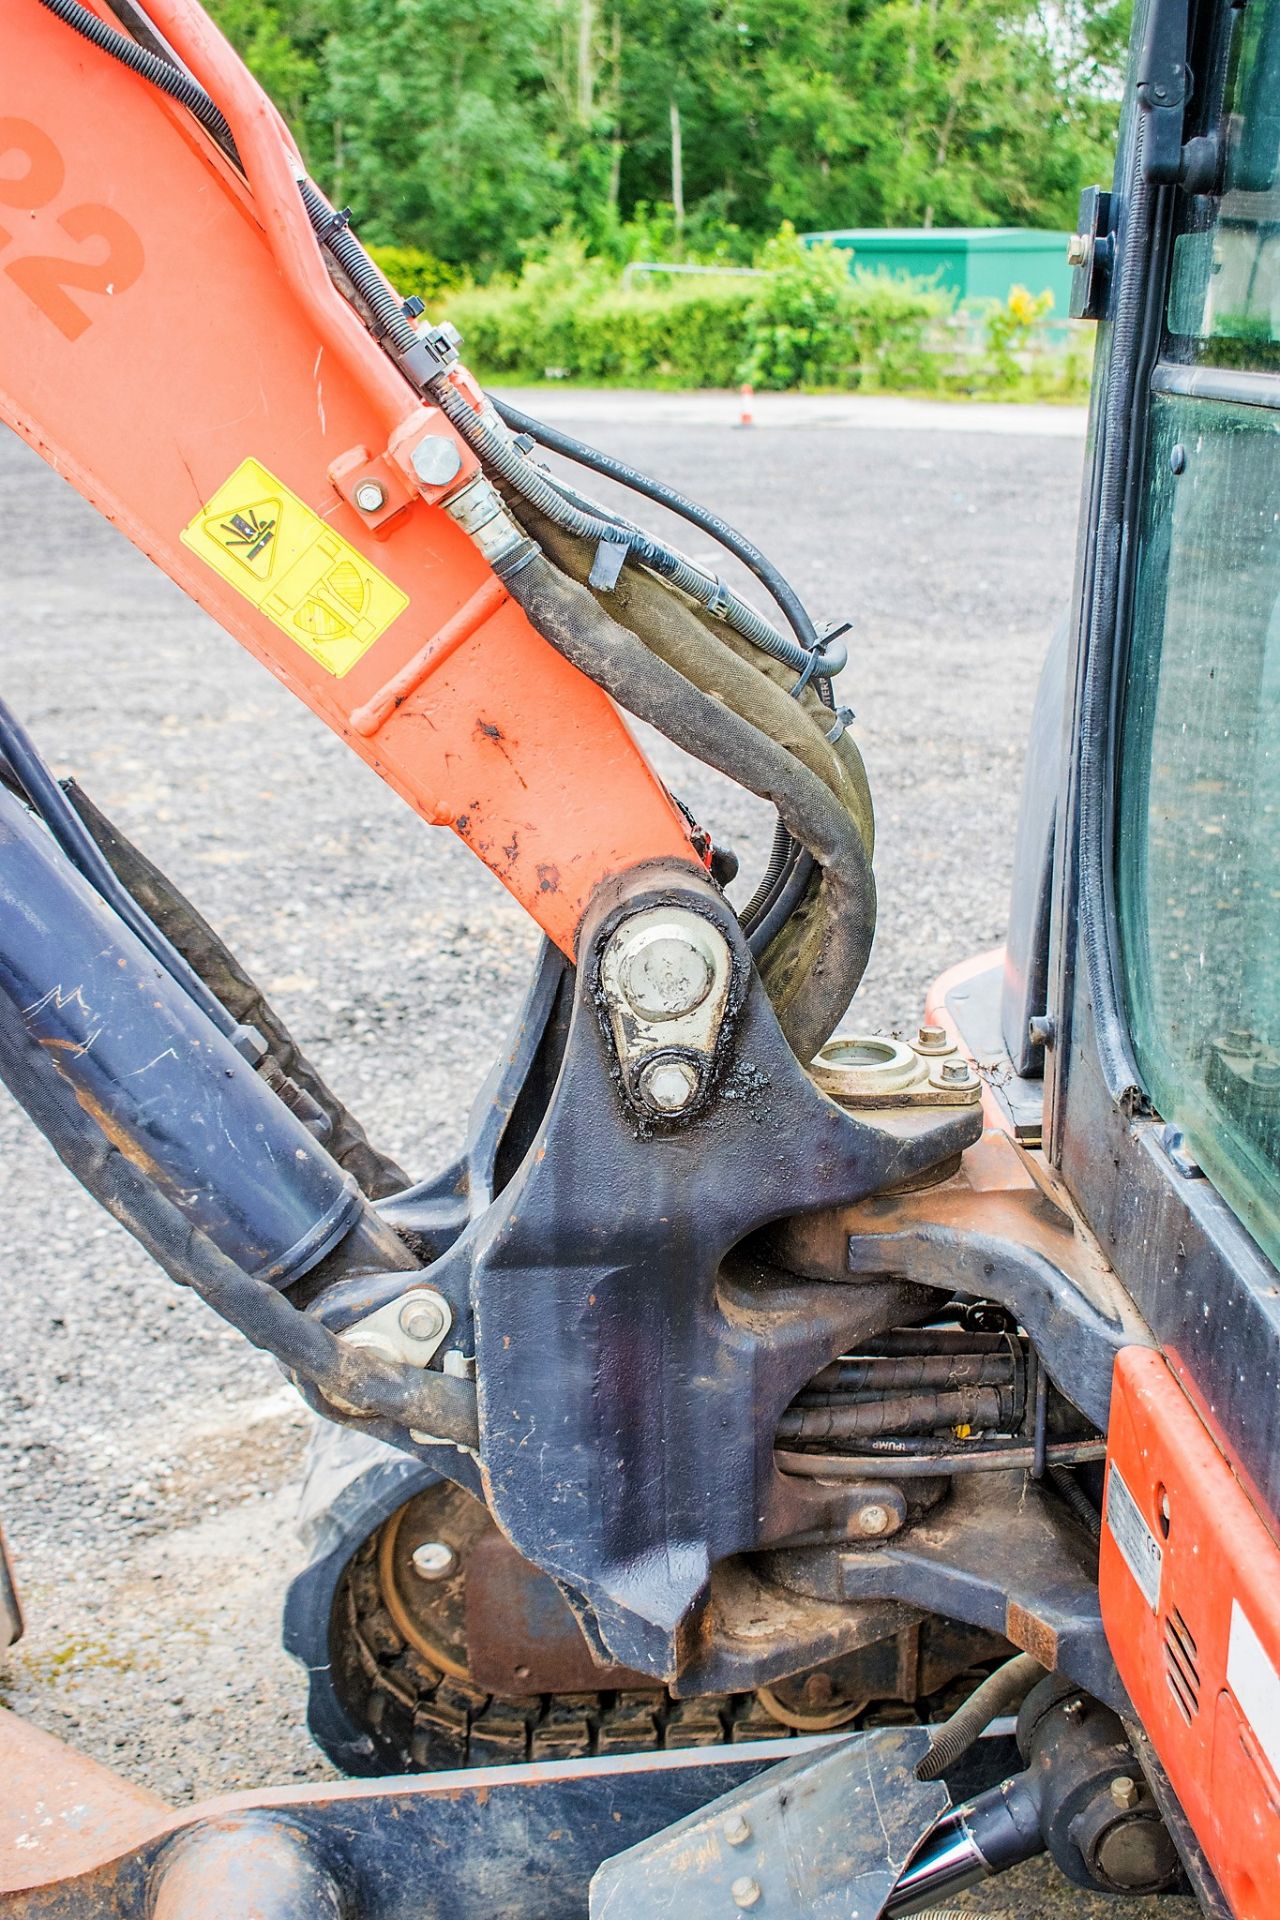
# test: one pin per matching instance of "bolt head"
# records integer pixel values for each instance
(932, 1037)
(874, 1519)
(668, 1086)
(423, 1318)
(1124, 1792)
(434, 1560)
(736, 1830)
(370, 495)
(666, 973)
(745, 1891)
(956, 1073)
(436, 460)
(1079, 247)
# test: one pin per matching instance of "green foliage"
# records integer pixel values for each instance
(476, 130)
(814, 323)
(806, 321)
(690, 334)
(411, 270)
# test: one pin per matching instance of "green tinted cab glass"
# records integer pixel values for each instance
(1224, 298)
(1198, 857)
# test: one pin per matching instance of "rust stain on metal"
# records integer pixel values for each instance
(1033, 1635)
(62, 1814)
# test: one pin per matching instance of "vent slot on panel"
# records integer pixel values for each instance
(1180, 1669)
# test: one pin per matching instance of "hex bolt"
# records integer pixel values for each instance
(1079, 247)
(434, 1560)
(370, 495)
(736, 1830)
(436, 460)
(423, 1318)
(932, 1037)
(745, 1891)
(1124, 1792)
(955, 1073)
(874, 1519)
(668, 1086)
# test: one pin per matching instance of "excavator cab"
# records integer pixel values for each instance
(758, 1414)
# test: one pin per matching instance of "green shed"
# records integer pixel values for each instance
(974, 263)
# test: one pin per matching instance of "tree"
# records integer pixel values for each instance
(475, 130)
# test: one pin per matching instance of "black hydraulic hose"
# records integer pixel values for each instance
(1074, 1496)
(353, 1379)
(170, 79)
(916, 1460)
(21, 756)
(765, 922)
(789, 872)
(568, 616)
(389, 318)
(897, 1414)
(788, 600)
(503, 458)
(1002, 1690)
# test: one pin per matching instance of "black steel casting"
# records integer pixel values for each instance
(632, 1356)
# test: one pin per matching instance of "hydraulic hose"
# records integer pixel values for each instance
(162, 73)
(789, 878)
(718, 661)
(1002, 1690)
(202, 948)
(64, 823)
(390, 322)
(567, 615)
(557, 441)
(722, 665)
(501, 457)
(789, 869)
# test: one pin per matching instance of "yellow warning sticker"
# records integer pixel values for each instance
(281, 555)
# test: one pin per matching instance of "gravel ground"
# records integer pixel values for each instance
(149, 1457)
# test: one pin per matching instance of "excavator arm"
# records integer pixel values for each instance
(738, 1356)
(210, 355)
(176, 346)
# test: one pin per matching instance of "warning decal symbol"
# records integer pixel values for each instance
(317, 588)
(250, 535)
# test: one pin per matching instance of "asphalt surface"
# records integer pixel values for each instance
(148, 1457)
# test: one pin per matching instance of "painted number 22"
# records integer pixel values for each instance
(47, 278)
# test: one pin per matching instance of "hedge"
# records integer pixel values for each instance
(805, 321)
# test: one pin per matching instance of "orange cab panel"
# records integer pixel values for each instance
(1190, 1585)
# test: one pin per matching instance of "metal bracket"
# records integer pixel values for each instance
(411, 1328)
(665, 976)
(826, 1835)
(1090, 254)
(1163, 87)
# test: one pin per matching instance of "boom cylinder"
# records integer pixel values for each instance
(106, 1051)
